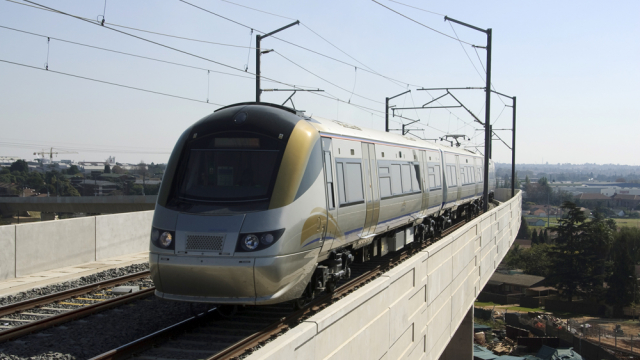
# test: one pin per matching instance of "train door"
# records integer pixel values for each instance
(422, 157)
(331, 221)
(459, 179)
(372, 194)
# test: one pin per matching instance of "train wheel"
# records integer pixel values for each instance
(331, 286)
(299, 303)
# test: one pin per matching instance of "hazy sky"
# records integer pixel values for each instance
(573, 65)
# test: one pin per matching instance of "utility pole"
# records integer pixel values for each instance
(259, 52)
(487, 126)
(513, 150)
(386, 109)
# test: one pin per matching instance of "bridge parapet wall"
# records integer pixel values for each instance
(35, 247)
(412, 311)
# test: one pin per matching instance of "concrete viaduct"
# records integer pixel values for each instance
(421, 309)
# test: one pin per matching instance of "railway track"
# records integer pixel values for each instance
(40, 313)
(215, 337)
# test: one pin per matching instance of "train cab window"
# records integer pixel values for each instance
(350, 188)
(234, 167)
(453, 175)
(329, 176)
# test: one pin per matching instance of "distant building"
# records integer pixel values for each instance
(538, 222)
(624, 200)
(512, 283)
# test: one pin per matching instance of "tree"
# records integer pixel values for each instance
(117, 170)
(73, 169)
(621, 281)
(570, 262)
(19, 165)
(107, 169)
(524, 232)
(534, 238)
(546, 237)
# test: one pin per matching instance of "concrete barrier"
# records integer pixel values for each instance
(35, 247)
(7, 252)
(122, 234)
(414, 310)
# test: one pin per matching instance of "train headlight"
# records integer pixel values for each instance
(258, 241)
(163, 239)
(266, 239)
(250, 242)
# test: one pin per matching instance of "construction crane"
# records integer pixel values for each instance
(51, 153)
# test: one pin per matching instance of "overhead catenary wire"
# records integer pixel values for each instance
(126, 53)
(41, 7)
(325, 80)
(421, 24)
(417, 8)
(108, 82)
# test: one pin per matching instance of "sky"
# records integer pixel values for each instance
(573, 66)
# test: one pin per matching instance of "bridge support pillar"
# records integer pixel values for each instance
(461, 345)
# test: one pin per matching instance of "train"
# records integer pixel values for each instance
(261, 204)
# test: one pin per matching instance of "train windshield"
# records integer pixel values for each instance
(230, 169)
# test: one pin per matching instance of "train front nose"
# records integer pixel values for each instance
(203, 267)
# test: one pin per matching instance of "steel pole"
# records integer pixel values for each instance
(386, 115)
(513, 150)
(257, 68)
(487, 126)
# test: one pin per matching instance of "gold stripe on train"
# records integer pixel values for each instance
(294, 162)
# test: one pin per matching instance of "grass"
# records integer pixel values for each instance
(482, 304)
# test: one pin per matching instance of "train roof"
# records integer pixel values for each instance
(339, 128)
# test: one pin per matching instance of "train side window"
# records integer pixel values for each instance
(463, 178)
(340, 175)
(353, 179)
(432, 178)
(472, 178)
(480, 174)
(396, 185)
(453, 175)
(415, 177)
(438, 176)
(406, 178)
(329, 175)
(385, 182)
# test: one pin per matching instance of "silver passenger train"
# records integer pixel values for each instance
(260, 204)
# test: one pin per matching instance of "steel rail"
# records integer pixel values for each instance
(47, 299)
(67, 316)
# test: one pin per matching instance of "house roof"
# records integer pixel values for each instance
(517, 279)
(592, 196)
(625, 197)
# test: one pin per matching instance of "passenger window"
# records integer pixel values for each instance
(340, 175)
(452, 175)
(329, 176)
(354, 182)
(385, 181)
(396, 185)
(415, 177)
(432, 178)
(438, 176)
(406, 178)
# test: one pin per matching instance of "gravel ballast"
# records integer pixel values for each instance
(72, 284)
